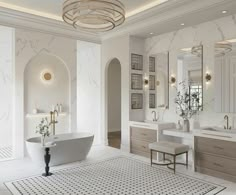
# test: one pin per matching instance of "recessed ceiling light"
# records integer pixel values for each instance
(151, 33)
(224, 11)
(182, 24)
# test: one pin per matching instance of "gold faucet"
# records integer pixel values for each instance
(53, 121)
(227, 122)
(155, 118)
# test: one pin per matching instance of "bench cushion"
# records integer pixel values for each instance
(169, 147)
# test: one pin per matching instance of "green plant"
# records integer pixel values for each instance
(43, 127)
(187, 104)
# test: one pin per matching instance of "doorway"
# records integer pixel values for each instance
(114, 104)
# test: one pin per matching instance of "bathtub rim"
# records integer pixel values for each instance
(37, 140)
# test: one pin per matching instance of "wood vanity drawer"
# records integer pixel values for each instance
(215, 146)
(138, 145)
(143, 134)
(216, 163)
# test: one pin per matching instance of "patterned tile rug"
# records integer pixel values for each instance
(5, 153)
(117, 176)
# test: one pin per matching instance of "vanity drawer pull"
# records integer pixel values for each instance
(144, 147)
(218, 165)
(219, 148)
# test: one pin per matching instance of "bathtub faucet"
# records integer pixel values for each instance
(53, 120)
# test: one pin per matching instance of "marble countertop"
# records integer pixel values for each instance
(227, 136)
(152, 125)
(168, 128)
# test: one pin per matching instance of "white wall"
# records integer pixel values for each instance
(89, 89)
(116, 48)
(6, 85)
(28, 45)
(207, 34)
(114, 96)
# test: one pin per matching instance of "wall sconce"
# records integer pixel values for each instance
(146, 82)
(172, 80)
(157, 83)
(208, 77)
(47, 76)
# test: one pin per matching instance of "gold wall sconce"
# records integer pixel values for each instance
(146, 82)
(172, 80)
(47, 76)
(208, 77)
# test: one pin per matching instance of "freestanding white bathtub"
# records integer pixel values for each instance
(69, 148)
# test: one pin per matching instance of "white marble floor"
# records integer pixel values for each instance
(17, 169)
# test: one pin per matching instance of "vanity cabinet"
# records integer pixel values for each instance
(216, 157)
(140, 138)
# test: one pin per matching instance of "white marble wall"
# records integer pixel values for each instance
(207, 34)
(89, 89)
(28, 45)
(6, 85)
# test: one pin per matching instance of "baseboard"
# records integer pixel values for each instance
(113, 130)
(125, 148)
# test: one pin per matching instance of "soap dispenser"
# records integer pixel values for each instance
(179, 126)
(57, 108)
(60, 108)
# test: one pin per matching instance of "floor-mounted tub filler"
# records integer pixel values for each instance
(69, 148)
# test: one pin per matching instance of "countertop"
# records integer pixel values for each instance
(152, 125)
(168, 128)
(227, 136)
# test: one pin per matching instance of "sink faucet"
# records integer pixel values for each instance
(53, 120)
(227, 122)
(155, 119)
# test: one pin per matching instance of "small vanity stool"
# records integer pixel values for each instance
(47, 158)
(170, 148)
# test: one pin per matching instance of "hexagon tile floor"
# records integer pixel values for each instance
(116, 176)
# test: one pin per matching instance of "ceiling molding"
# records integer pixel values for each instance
(163, 13)
(16, 19)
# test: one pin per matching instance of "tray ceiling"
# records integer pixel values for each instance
(54, 7)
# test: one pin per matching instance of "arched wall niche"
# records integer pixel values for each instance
(41, 94)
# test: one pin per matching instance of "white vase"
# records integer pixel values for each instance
(186, 125)
(43, 140)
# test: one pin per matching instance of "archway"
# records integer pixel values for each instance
(114, 103)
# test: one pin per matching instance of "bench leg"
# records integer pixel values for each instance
(164, 157)
(151, 157)
(174, 163)
(187, 160)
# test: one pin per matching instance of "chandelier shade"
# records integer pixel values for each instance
(93, 15)
(222, 48)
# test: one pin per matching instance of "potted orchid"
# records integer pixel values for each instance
(187, 105)
(43, 129)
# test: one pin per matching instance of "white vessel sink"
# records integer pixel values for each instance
(153, 122)
(219, 129)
